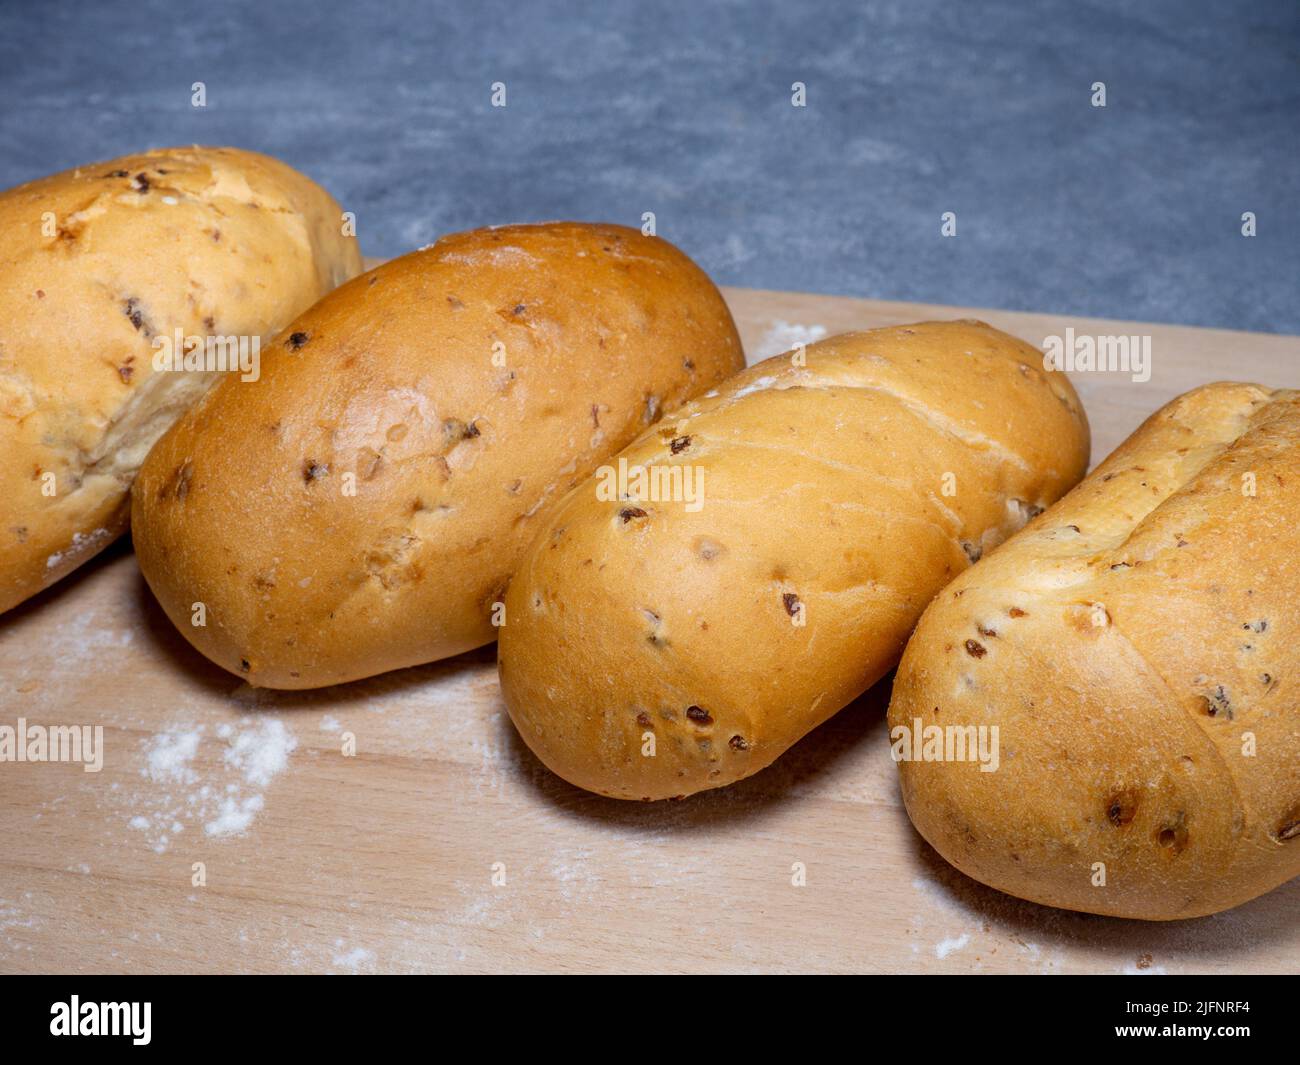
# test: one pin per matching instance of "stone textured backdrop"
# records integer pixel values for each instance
(914, 108)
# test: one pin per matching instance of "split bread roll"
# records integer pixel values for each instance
(99, 267)
(361, 506)
(1138, 650)
(659, 642)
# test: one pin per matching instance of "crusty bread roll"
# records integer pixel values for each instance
(362, 505)
(654, 647)
(98, 263)
(1138, 650)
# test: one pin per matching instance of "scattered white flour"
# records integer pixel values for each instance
(329, 723)
(261, 752)
(937, 895)
(949, 908)
(353, 959)
(81, 543)
(171, 754)
(87, 639)
(223, 798)
(12, 917)
(762, 384)
(947, 946)
(504, 255)
(578, 873)
(234, 817)
(783, 336)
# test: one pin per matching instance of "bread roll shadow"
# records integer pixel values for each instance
(1264, 920)
(13, 619)
(197, 669)
(858, 727)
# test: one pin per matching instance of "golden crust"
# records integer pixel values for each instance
(458, 392)
(1145, 687)
(96, 262)
(825, 502)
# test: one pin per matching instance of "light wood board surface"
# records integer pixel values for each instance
(385, 861)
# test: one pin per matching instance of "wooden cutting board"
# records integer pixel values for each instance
(386, 860)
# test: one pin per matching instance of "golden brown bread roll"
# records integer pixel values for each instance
(654, 647)
(361, 506)
(1138, 650)
(97, 264)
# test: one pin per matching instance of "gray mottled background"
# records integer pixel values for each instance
(915, 107)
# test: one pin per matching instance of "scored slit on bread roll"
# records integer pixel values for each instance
(654, 647)
(361, 506)
(101, 265)
(1137, 650)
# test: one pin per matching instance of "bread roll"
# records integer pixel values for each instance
(361, 506)
(656, 645)
(99, 267)
(1138, 650)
